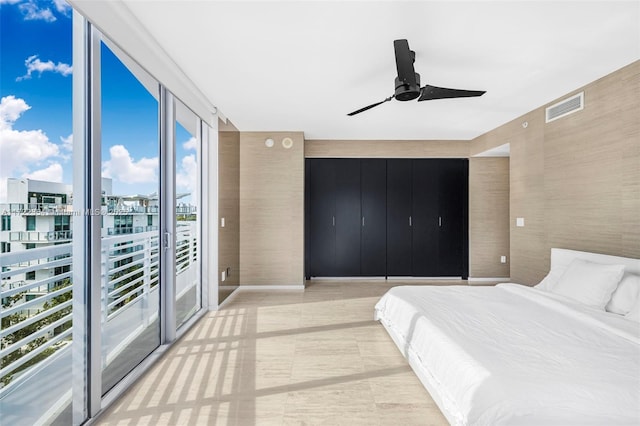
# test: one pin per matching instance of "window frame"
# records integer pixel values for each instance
(88, 400)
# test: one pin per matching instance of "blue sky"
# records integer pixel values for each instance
(36, 110)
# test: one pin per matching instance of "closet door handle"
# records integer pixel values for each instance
(410, 221)
(440, 221)
(333, 220)
(363, 221)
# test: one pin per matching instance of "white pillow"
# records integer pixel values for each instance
(634, 313)
(625, 296)
(589, 283)
(550, 280)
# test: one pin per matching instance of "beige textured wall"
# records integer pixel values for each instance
(529, 251)
(385, 149)
(592, 170)
(228, 206)
(271, 209)
(576, 180)
(488, 217)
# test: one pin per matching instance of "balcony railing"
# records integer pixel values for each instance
(186, 210)
(130, 230)
(132, 209)
(36, 208)
(35, 336)
(39, 236)
(67, 209)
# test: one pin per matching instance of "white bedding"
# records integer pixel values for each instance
(512, 354)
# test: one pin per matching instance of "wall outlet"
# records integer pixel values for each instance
(222, 222)
(520, 221)
(503, 259)
(223, 275)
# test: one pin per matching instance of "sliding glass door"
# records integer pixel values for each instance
(100, 207)
(188, 297)
(130, 251)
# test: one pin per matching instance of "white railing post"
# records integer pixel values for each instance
(146, 276)
(104, 256)
(192, 247)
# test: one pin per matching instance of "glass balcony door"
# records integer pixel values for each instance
(130, 249)
(188, 295)
(100, 240)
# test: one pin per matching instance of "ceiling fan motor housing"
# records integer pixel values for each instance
(405, 91)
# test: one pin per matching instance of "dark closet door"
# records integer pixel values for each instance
(425, 237)
(373, 238)
(347, 217)
(399, 217)
(452, 217)
(321, 256)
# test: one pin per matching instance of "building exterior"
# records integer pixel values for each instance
(40, 214)
(36, 278)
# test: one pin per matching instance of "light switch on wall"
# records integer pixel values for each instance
(503, 259)
(224, 275)
(222, 222)
(520, 221)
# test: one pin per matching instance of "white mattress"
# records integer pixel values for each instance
(512, 354)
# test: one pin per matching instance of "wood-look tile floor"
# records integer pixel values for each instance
(312, 357)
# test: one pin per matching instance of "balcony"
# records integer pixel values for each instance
(38, 209)
(186, 210)
(36, 315)
(130, 230)
(40, 236)
(122, 210)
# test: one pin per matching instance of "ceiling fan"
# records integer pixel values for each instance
(408, 82)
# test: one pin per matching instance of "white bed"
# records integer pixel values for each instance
(512, 354)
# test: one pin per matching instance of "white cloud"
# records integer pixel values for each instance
(67, 143)
(11, 108)
(62, 6)
(123, 168)
(9, 1)
(32, 12)
(52, 173)
(33, 63)
(187, 175)
(191, 144)
(20, 149)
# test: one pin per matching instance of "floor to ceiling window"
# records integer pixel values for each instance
(80, 314)
(130, 186)
(36, 147)
(187, 199)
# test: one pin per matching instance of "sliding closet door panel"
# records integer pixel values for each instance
(452, 197)
(307, 210)
(321, 217)
(399, 217)
(347, 229)
(374, 217)
(425, 218)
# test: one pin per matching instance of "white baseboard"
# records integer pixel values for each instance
(345, 278)
(485, 280)
(229, 298)
(425, 278)
(296, 287)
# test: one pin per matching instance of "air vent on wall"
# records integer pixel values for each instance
(565, 107)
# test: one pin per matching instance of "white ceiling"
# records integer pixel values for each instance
(302, 66)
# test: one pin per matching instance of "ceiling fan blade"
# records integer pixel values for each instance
(433, 92)
(404, 62)
(369, 106)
